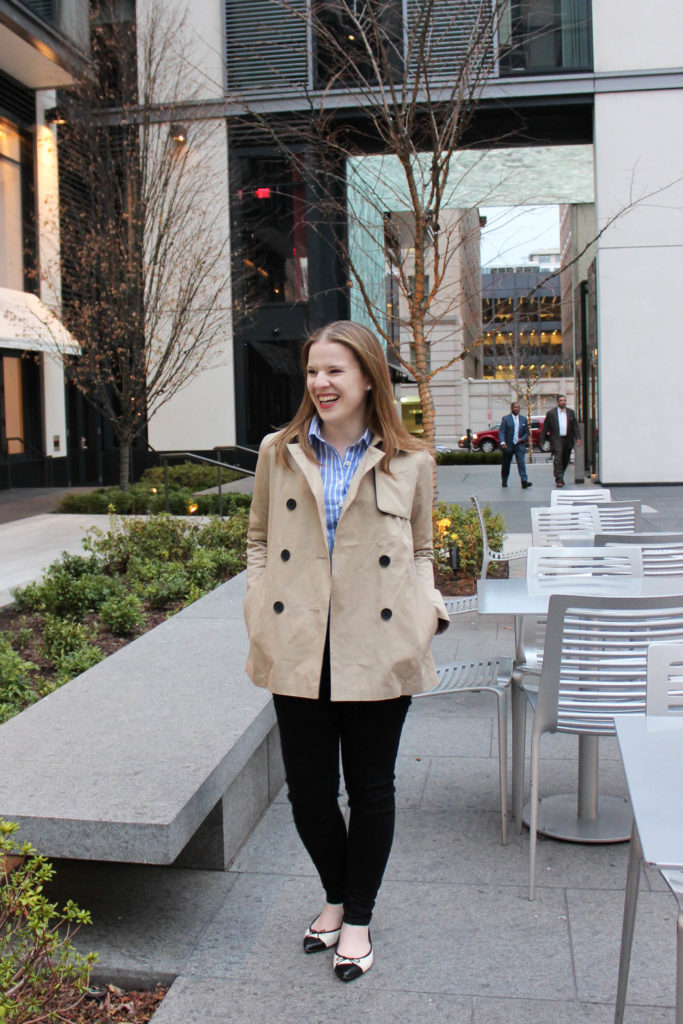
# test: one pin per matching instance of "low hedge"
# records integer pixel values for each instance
(461, 457)
(143, 499)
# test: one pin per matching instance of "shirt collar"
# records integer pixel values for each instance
(315, 431)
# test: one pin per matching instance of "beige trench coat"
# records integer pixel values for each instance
(378, 588)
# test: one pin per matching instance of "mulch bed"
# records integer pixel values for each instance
(32, 650)
(463, 586)
(112, 1005)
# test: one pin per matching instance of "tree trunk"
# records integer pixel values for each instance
(124, 463)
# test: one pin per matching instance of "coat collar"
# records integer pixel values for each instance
(311, 474)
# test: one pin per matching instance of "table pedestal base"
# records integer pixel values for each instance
(558, 819)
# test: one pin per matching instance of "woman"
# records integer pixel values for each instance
(341, 609)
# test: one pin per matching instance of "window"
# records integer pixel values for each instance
(551, 307)
(352, 39)
(273, 251)
(527, 309)
(19, 403)
(11, 241)
(541, 36)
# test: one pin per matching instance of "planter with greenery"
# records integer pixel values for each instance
(130, 577)
(458, 528)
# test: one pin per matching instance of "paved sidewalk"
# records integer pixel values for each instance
(28, 545)
(457, 941)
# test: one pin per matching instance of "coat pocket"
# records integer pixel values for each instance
(392, 496)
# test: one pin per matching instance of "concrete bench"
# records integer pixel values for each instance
(164, 753)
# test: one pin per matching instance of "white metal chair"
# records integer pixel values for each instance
(545, 565)
(549, 524)
(475, 677)
(620, 516)
(662, 552)
(588, 496)
(488, 555)
(594, 667)
(664, 696)
(664, 679)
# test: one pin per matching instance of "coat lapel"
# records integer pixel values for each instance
(311, 474)
(372, 456)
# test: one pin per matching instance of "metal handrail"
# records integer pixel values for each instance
(203, 458)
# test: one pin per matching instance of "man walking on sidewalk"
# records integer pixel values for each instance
(514, 438)
(562, 427)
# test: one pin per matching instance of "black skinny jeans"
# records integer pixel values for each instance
(350, 865)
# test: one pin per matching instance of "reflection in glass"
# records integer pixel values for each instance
(353, 39)
(541, 36)
(274, 252)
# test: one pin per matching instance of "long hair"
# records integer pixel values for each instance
(381, 415)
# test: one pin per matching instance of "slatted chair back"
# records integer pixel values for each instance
(545, 565)
(595, 660)
(665, 679)
(549, 524)
(662, 552)
(620, 517)
(588, 496)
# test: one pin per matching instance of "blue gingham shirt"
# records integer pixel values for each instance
(336, 472)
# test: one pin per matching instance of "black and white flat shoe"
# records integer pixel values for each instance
(316, 942)
(348, 968)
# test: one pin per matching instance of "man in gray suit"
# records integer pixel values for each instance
(562, 427)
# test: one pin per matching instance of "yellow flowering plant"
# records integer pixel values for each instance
(457, 529)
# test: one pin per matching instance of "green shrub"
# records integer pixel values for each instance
(454, 525)
(207, 504)
(192, 476)
(172, 584)
(64, 636)
(71, 586)
(161, 537)
(18, 687)
(461, 457)
(70, 665)
(122, 614)
(28, 598)
(42, 976)
(91, 503)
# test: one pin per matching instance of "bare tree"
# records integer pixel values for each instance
(145, 260)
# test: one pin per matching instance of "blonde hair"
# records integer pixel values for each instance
(381, 415)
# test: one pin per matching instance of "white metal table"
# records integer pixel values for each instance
(652, 753)
(573, 817)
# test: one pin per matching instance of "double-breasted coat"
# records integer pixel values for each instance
(377, 590)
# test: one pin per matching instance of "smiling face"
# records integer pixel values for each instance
(338, 387)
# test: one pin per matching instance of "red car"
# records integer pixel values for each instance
(487, 440)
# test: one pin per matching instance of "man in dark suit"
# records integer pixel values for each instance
(514, 438)
(562, 427)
